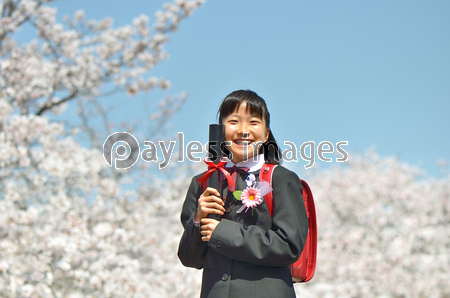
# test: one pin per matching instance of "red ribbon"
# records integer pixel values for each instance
(212, 167)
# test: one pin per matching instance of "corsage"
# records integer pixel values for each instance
(253, 195)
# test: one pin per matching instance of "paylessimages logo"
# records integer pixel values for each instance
(127, 143)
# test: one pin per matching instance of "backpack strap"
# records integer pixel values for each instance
(266, 174)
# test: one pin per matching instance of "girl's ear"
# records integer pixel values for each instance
(266, 137)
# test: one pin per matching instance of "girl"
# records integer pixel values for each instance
(247, 253)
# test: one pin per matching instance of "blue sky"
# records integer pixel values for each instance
(373, 73)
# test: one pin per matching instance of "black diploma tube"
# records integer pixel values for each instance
(216, 138)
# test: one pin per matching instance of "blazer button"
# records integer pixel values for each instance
(224, 277)
(219, 243)
(228, 209)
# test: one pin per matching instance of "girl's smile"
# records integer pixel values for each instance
(244, 142)
(245, 132)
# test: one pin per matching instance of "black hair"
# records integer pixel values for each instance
(256, 106)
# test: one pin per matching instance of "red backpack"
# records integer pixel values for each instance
(303, 269)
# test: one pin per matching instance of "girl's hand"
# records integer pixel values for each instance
(209, 202)
(208, 225)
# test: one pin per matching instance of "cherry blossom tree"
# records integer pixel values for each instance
(383, 231)
(83, 60)
(67, 229)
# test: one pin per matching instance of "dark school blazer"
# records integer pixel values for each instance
(249, 253)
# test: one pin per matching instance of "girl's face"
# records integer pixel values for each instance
(243, 130)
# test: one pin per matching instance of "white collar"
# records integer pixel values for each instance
(253, 165)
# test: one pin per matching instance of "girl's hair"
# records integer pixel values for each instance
(257, 107)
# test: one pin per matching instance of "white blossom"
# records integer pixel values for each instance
(66, 227)
(380, 227)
